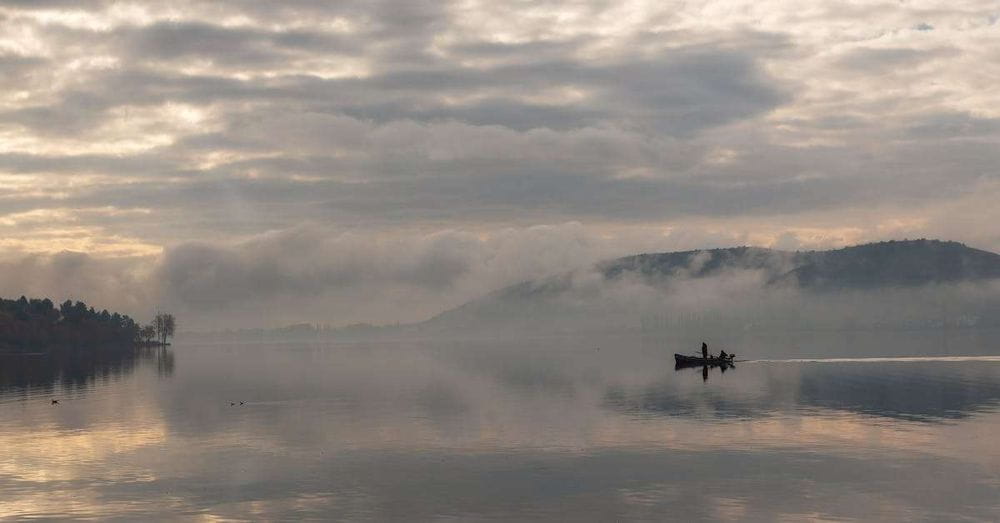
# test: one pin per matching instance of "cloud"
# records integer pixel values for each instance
(954, 125)
(121, 284)
(16, 68)
(708, 123)
(308, 261)
(312, 273)
(435, 270)
(881, 59)
(224, 46)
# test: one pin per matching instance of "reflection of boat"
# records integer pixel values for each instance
(697, 361)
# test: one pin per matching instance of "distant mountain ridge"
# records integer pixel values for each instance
(895, 263)
(889, 264)
(872, 265)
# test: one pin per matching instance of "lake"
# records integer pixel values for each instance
(597, 428)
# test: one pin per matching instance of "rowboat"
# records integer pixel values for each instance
(695, 361)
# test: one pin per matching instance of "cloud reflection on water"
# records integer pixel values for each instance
(525, 431)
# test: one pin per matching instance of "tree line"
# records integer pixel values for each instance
(38, 323)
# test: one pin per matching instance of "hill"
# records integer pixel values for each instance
(896, 263)
(715, 282)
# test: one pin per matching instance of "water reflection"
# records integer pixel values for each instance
(906, 390)
(911, 390)
(704, 369)
(526, 430)
(77, 369)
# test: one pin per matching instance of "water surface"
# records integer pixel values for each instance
(579, 429)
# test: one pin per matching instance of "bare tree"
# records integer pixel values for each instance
(169, 326)
(165, 325)
(158, 325)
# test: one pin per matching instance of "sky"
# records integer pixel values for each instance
(260, 163)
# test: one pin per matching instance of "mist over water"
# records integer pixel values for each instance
(923, 286)
(432, 259)
(583, 428)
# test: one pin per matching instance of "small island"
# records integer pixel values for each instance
(28, 325)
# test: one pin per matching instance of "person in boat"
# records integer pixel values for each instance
(704, 350)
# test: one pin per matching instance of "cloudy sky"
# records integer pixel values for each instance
(266, 162)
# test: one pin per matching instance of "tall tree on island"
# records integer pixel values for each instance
(169, 326)
(165, 325)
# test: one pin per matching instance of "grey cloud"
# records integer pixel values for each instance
(74, 114)
(229, 46)
(697, 90)
(679, 92)
(115, 284)
(876, 59)
(217, 141)
(385, 16)
(307, 272)
(518, 52)
(497, 111)
(84, 109)
(357, 276)
(450, 124)
(533, 195)
(307, 261)
(15, 67)
(49, 4)
(831, 122)
(149, 165)
(953, 125)
(389, 175)
(770, 181)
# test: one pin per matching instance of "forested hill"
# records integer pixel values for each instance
(870, 266)
(894, 264)
(873, 265)
(884, 266)
(37, 324)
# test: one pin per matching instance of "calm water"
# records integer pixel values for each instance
(572, 429)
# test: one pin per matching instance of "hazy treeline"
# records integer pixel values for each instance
(927, 307)
(39, 323)
(296, 332)
(736, 300)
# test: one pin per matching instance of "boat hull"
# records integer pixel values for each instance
(694, 361)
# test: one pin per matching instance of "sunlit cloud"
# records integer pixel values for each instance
(793, 126)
